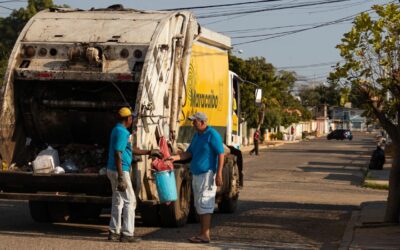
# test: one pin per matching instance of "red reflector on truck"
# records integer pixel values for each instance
(44, 75)
(124, 77)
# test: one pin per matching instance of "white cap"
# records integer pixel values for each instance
(199, 116)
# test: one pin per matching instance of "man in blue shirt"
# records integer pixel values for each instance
(207, 153)
(118, 172)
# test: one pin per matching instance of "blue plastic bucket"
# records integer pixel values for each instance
(166, 186)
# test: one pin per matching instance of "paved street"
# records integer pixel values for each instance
(296, 196)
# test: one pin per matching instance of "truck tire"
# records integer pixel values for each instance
(59, 211)
(228, 203)
(83, 211)
(39, 211)
(177, 213)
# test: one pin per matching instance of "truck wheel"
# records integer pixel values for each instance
(150, 216)
(84, 211)
(58, 211)
(228, 203)
(39, 211)
(176, 213)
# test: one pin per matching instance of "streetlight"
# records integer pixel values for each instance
(239, 51)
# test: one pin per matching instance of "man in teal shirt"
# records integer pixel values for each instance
(118, 172)
(207, 153)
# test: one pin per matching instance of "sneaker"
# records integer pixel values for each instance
(113, 236)
(130, 239)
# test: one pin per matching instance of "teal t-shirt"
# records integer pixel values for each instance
(119, 141)
(205, 149)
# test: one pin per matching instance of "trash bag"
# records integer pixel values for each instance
(377, 159)
(162, 164)
(69, 166)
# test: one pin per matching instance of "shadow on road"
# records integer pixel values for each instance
(338, 164)
(319, 151)
(354, 180)
(255, 224)
(15, 220)
(272, 224)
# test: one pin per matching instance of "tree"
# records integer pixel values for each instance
(276, 86)
(321, 94)
(371, 53)
(11, 26)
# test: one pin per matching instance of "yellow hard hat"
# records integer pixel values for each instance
(125, 112)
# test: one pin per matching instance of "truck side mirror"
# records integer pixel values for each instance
(258, 95)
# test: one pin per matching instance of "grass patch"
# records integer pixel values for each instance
(375, 186)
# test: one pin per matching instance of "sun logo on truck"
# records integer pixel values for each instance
(196, 99)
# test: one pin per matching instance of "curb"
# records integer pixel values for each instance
(373, 183)
(348, 235)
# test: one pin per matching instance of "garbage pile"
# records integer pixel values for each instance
(378, 155)
(77, 158)
(72, 158)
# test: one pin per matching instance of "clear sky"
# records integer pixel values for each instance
(313, 50)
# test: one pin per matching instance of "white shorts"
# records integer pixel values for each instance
(204, 190)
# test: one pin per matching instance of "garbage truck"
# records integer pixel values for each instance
(68, 74)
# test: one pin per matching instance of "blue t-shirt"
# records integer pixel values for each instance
(205, 149)
(119, 141)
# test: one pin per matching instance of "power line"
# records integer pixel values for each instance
(310, 65)
(223, 5)
(270, 28)
(236, 16)
(280, 34)
(295, 31)
(4, 7)
(271, 9)
(13, 1)
(334, 8)
(234, 9)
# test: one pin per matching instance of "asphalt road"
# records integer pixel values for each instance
(296, 196)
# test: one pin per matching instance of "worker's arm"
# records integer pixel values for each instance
(121, 184)
(218, 148)
(181, 157)
(218, 179)
(118, 162)
(138, 151)
(154, 153)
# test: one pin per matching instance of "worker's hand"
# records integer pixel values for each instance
(173, 158)
(155, 153)
(218, 180)
(122, 185)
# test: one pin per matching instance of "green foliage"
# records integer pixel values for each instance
(276, 86)
(11, 26)
(3, 67)
(279, 135)
(371, 53)
(314, 96)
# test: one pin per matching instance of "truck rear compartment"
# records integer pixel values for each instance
(73, 117)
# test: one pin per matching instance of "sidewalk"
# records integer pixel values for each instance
(366, 228)
(378, 179)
